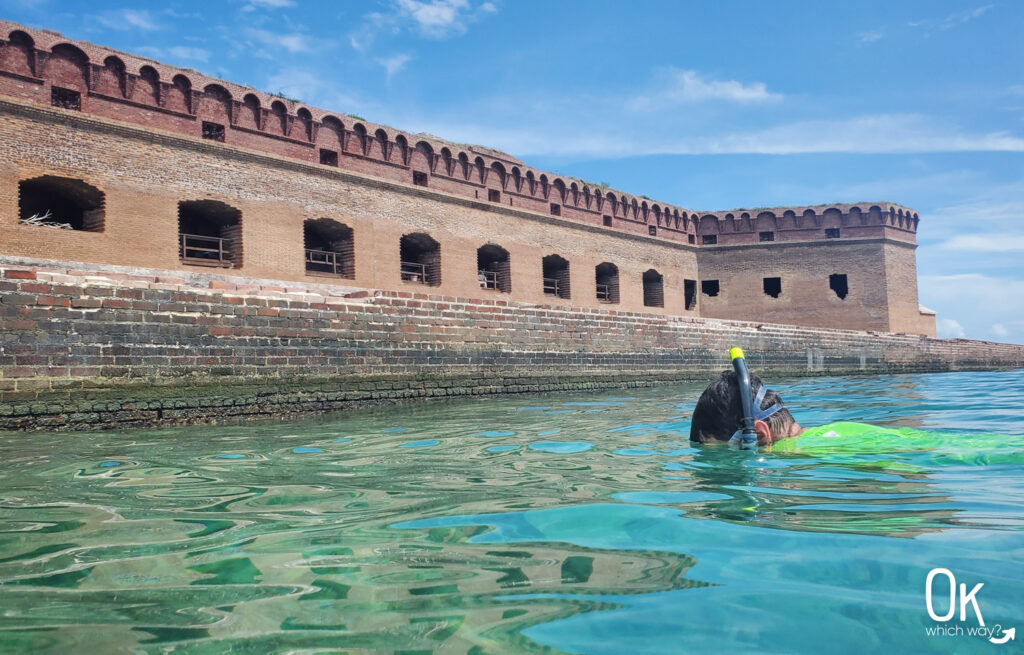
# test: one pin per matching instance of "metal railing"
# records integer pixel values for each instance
(551, 286)
(205, 251)
(323, 261)
(414, 272)
(487, 279)
(604, 292)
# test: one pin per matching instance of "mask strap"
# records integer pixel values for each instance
(762, 414)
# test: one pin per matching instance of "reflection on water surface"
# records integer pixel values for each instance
(562, 523)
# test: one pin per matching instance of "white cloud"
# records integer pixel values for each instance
(127, 19)
(976, 302)
(985, 243)
(394, 64)
(312, 89)
(934, 25)
(948, 328)
(292, 42)
(677, 86)
(268, 4)
(436, 18)
(1000, 330)
(186, 52)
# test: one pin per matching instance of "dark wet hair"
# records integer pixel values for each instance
(718, 413)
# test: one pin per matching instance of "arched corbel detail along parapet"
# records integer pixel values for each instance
(728, 224)
(588, 197)
(545, 188)
(634, 209)
(402, 149)
(464, 166)
(645, 212)
(383, 144)
(809, 219)
(788, 221)
(422, 159)
(112, 78)
(853, 217)
(305, 120)
(766, 222)
(179, 95)
(18, 55)
(68, 67)
(147, 87)
(517, 179)
(251, 113)
(531, 183)
(497, 176)
(574, 195)
(215, 104)
(708, 225)
(360, 142)
(875, 215)
(899, 218)
(744, 224)
(656, 212)
(333, 134)
(448, 162)
(558, 186)
(831, 218)
(480, 170)
(612, 203)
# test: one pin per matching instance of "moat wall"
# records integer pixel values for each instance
(100, 347)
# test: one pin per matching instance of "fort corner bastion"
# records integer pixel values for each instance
(178, 248)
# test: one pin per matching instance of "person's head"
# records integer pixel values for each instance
(719, 414)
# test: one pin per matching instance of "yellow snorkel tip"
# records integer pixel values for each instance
(736, 353)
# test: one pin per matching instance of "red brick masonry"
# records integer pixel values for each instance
(111, 346)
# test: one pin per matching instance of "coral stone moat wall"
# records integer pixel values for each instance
(100, 346)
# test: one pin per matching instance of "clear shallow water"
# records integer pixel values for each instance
(580, 523)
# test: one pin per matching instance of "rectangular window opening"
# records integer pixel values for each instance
(213, 131)
(709, 287)
(839, 284)
(691, 238)
(773, 286)
(709, 239)
(607, 221)
(832, 233)
(690, 291)
(494, 195)
(419, 178)
(766, 236)
(328, 157)
(65, 98)
(556, 210)
(652, 230)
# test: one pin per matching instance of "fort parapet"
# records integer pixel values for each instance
(167, 171)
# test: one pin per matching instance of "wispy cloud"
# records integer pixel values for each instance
(127, 19)
(435, 19)
(985, 243)
(675, 86)
(310, 88)
(393, 64)
(948, 328)
(978, 303)
(253, 5)
(176, 53)
(293, 42)
(934, 25)
(870, 36)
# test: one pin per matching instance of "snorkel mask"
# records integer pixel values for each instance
(746, 438)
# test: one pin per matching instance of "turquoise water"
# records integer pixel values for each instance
(576, 523)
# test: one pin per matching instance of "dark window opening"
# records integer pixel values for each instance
(209, 234)
(328, 157)
(420, 259)
(330, 248)
(494, 195)
(690, 294)
(654, 289)
(709, 287)
(692, 238)
(607, 221)
(493, 269)
(556, 209)
(213, 131)
(65, 98)
(832, 233)
(838, 283)
(556, 276)
(766, 236)
(60, 202)
(773, 286)
(419, 178)
(709, 239)
(652, 230)
(607, 277)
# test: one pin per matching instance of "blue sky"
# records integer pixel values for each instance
(702, 105)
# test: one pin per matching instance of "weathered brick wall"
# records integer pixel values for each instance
(109, 346)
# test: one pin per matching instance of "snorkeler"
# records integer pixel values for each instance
(720, 414)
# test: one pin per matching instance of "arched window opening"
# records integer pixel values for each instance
(209, 234)
(493, 271)
(60, 202)
(556, 276)
(420, 259)
(330, 248)
(607, 278)
(654, 289)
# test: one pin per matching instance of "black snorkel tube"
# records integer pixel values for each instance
(746, 438)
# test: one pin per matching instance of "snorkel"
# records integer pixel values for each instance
(746, 438)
